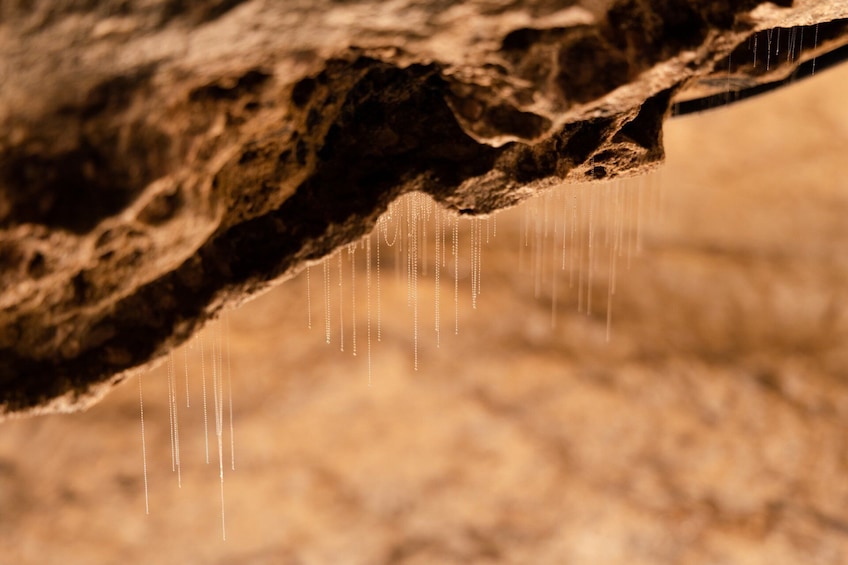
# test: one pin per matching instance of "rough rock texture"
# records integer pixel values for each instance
(161, 159)
(710, 430)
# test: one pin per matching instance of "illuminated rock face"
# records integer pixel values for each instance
(160, 162)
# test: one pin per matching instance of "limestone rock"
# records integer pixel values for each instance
(160, 160)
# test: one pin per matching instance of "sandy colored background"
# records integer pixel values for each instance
(710, 429)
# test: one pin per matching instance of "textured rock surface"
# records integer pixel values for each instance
(160, 160)
(710, 430)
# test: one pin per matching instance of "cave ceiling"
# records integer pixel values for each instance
(163, 160)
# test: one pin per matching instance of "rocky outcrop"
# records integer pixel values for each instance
(161, 160)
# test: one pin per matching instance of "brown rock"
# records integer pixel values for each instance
(160, 161)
